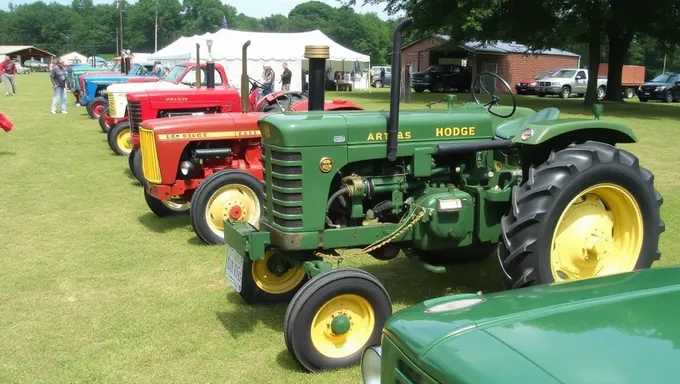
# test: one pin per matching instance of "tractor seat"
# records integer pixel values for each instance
(509, 129)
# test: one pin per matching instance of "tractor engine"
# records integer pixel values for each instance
(201, 159)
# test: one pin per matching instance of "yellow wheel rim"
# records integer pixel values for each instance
(272, 283)
(177, 204)
(230, 199)
(123, 140)
(599, 233)
(361, 318)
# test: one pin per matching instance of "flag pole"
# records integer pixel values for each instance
(155, 37)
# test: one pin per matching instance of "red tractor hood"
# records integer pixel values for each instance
(142, 79)
(229, 98)
(206, 127)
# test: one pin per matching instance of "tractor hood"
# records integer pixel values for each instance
(195, 98)
(206, 127)
(104, 79)
(620, 328)
(149, 86)
(300, 129)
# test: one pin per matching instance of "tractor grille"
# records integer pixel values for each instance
(150, 166)
(135, 116)
(285, 188)
(112, 105)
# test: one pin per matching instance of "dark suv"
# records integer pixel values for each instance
(443, 78)
(664, 87)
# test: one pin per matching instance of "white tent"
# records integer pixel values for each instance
(74, 58)
(266, 48)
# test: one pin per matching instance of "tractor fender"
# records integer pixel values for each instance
(575, 130)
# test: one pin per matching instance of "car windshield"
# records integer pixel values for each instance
(565, 73)
(136, 70)
(435, 68)
(174, 74)
(664, 78)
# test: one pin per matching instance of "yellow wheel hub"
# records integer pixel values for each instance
(177, 204)
(123, 140)
(272, 283)
(599, 233)
(342, 326)
(234, 202)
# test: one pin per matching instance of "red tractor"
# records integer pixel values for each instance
(212, 162)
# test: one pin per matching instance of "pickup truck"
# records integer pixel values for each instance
(567, 82)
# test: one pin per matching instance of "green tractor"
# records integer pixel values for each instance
(555, 196)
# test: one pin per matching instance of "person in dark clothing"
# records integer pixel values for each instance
(58, 78)
(382, 76)
(9, 71)
(285, 78)
(268, 80)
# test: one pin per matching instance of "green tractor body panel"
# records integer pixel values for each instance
(548, 129)
(303, 163)
(617, 328)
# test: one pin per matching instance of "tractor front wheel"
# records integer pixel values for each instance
(270, 280)
(227, 195)
(102, 121)
(589, 210)
(135, 164)
(334, 317)
(119, 139)
(163, 208)
(96, 106)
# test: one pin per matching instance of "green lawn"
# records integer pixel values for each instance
(95, 288)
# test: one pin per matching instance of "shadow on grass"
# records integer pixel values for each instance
(406, 281)
(6, 153)
(162, 224)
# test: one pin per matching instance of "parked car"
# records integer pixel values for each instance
(443, 78)
(376, 81)
(569, 81)
(528, 86)
(614, 329)
(664, 87)
(21, 70)
(35, 65)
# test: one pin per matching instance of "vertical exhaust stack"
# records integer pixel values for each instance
(395, 88)
(198, 65)
(210, 74)
(244, 78)
(127, 64)
(317, 56)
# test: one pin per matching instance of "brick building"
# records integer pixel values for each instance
(510, 60)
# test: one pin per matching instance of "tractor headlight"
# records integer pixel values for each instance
(186, 168)
(370, 365)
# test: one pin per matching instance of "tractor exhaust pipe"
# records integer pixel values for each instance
(198, 66)
(210, 74)
(126, 66)
(317, 56)
(395, 88)
(244, 77)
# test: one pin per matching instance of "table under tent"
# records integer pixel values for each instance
(272, 49)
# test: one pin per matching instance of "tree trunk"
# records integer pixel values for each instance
(619, 43)
(594, 53)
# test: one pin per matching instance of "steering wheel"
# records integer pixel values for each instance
(494, 98)
(256, 83)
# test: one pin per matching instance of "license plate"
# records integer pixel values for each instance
(646, 93)
(234, 268)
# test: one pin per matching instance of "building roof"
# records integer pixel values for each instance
(499, 47)
(9, 49)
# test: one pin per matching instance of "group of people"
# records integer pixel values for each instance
(268, 78)
(8, 72)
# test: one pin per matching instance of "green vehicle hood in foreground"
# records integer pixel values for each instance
(617, 329)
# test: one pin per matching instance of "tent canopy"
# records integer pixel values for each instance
(74, 58)
(265, 49)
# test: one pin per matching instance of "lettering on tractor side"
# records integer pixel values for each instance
(455, 131)
(383, 136)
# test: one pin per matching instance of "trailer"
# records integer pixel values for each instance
(632, 78)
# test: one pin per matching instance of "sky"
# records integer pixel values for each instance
(248, 7)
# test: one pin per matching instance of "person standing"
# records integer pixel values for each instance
(268, 80)
(9, 70)
(58, 78)
(285, 78)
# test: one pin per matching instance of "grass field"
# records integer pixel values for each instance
(95, 288)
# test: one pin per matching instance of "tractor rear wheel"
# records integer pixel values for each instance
(589, 210)
(96, 106)
(163, 208)
(334, 317)
(231, 194)
(135, 164)
(102, 121)
(119, 139)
